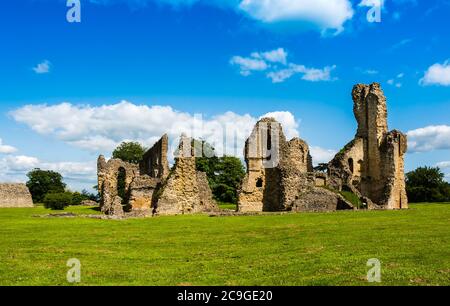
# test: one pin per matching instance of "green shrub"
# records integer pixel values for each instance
(58, 201)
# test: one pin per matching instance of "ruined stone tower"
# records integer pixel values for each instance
(280, 174)
(372, 165)
(260, 188)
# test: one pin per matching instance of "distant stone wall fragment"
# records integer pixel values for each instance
(15, 195)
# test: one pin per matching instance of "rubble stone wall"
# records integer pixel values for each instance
(155, 163)
(372, 165)
(15, 195)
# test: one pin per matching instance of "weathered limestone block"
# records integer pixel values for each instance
(394, 148)
(320, 200)
(142, 193)
(260, 189)
(108, 180)
(155, 163)
(372, 165)
(88, 203)
(289, 184)
(295, 168)
(186, 190)
(206, 196)
(15, 195)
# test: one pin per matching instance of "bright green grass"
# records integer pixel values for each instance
(291, 249)
(227, 206)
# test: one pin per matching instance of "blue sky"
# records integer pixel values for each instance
(135, 69)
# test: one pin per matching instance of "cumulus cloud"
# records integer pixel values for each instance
(5, 149)
(42, 68)
(323, 14)
(13, 168)
(100, 129)
(444, 165)
(277, 68)
(437, 74)
(321, 155)
(288, 122)
(429, 138)
(248, 64)
(326, 14)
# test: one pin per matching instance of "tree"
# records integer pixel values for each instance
(427, 184)
(41, 182)
(131, 152)
(225, 174)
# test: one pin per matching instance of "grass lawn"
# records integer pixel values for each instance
(292, 249)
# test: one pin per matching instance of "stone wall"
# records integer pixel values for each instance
(186, 190)
(260, 189)
(372, 165)
(180, 191)
(286, 182)
(155, 163)
(15, 195)
(108, 179)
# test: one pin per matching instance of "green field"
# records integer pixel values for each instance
(290, 249)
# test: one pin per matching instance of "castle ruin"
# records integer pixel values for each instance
(151, 187)
(280, 174)
(372, 165)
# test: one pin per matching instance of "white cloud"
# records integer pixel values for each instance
(437, 74)
(316, 75)
(395, 82)
(275, 56)
(326, 14)
(13, 168)
(321, 155)
(43, 67)
(371, 71)
(277, 67)
(4, 149)
(323, 14)
(444, 164)
(247, 65)
(100, 129)
(429, 138)
(289, 124)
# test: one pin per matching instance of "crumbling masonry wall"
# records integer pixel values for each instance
(280, 174)
(372, 165)
(155, 163)
(108, 184)
(186, 189)
(151, 188)
(15, 195)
